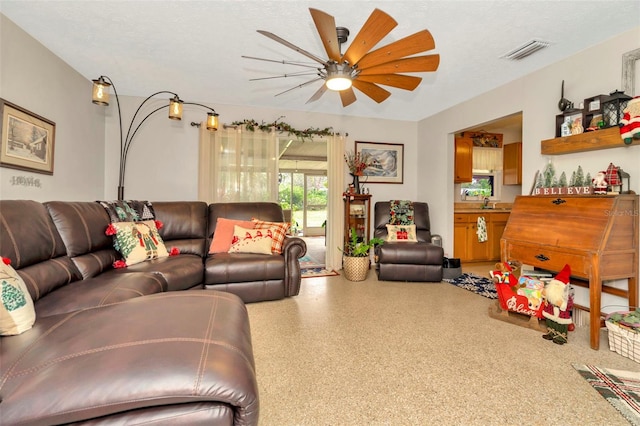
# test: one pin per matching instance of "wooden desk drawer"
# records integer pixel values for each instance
(548, 258)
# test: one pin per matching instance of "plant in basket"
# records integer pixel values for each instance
(355, 261)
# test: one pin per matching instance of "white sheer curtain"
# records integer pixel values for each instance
(238, 165)
(335, 204)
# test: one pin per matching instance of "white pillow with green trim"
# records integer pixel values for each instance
(17, 313)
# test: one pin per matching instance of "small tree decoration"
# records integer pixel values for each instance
(562, 183)
(539, 181)
(549, 174)
(580, 181)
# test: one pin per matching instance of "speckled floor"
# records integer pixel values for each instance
(395, 353)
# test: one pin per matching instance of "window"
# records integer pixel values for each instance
(481, 186)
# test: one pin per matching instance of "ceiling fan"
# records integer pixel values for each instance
(359, 66)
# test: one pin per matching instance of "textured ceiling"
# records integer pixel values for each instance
(194, 48)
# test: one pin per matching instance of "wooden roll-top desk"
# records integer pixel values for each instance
(597, 235)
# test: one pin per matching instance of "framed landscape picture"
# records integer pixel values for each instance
(388, 162)
(27, 141)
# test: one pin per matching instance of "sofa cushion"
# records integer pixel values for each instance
(17, 313)
(221, 242)
(243, 267)
(170, 349)
(181, 272)
(137, 241)
(401, 233)
(109, 287)
(184, 225)
(30, 239)
(280, 232)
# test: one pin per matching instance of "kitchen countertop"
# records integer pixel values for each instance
(477, 208)
(480, 210)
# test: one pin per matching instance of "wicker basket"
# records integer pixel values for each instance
(623, 340)
(355, 268)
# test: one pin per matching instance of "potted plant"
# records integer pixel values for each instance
(355, 259)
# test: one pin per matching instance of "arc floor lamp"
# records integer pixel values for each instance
(101, 97)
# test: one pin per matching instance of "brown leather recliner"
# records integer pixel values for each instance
(407, 261)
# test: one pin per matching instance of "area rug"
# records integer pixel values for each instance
(317, 272)
(620, 388)
(478, 285)
(307, 261)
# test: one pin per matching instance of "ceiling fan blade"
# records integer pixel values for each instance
(375, 29)
(318, 94)
(372, 90)
(292, 46)
(414, 64)
(347, 96)
(410, 45)
(326, 26)
(281, 61)
(300, 85)
(406, 82)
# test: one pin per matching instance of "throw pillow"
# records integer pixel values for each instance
(279, 234)
(223, 235)
(401, 233)
(17, 313)
(137, 241)
(247, 240)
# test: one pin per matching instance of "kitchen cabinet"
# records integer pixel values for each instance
(463, 168)
(466, 246)
(496, 226)
(512, 164)
(357, 215)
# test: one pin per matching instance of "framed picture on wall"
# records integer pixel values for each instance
(388, 162)
(27, 140)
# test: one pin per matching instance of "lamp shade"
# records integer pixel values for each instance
(100, 95)
(212, 121)
(175, 108)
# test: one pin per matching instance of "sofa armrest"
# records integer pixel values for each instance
(293, 249)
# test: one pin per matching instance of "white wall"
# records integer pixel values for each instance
(163, 160)
(35, 79)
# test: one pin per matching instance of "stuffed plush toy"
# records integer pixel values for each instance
(630, 123)
(558, 302)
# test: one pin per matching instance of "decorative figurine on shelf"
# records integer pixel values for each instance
(600, 183)
(630, 123)
(558, 303)
(613, 179)
(576, 127)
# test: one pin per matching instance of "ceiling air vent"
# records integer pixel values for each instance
(525, 50)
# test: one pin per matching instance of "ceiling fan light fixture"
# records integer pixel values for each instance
(338, 83)
(338, 77)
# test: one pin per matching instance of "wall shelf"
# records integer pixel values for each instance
(588, 141)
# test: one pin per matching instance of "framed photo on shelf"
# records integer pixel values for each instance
(27, 140)
(388, 162)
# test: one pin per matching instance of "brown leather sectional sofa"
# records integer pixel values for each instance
(123, 345)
